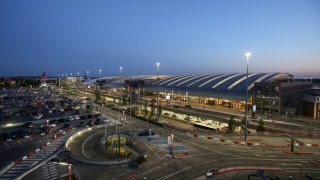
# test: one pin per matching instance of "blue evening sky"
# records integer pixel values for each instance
(185, 36)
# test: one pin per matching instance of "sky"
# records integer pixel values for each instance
(185, 36)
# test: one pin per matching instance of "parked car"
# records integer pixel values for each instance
(211, 172)
(98, 121)
(4, 136)
(98, 115)
(52, 125)
(174, 116)
(82, 124)
(13, 135)
(62, 120)
(166, 114)
(66, 126)
(71, 118)
(76, 117)
(28, 125)
(90, 123)
(187, 106)
(83, 117)
(39, 116)
(146, 132)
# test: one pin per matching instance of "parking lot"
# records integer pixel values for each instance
(31, 117)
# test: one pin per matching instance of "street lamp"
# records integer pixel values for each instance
(171, 144)
(69, 170)
(88, 74)
(100, 72)
(158, 66)
(120, 68)
(248, 54)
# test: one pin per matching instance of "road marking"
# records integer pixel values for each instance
(32, 140)
(166, 177)
(209, 162)
(154, 169)
(210, 149)
(150, 149)
(284, 164)
(5, 143)
(18, 141)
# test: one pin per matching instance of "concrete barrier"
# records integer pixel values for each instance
(102, 162)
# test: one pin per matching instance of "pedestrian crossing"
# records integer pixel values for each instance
(49, 170)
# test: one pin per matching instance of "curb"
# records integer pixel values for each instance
(251, 143)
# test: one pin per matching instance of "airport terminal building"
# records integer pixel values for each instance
(269, 93)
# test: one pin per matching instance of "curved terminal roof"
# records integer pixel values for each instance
(217, 85)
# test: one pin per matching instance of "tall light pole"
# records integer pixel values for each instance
(158, 66)
(248, 54)
(78, 74)
(120, 69)
(100, 72)
(88, 74)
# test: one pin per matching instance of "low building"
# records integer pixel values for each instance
(311, 103)
(280, 97)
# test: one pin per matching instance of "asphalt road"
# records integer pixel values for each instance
(206, 154)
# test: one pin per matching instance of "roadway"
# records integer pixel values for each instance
(206, 154)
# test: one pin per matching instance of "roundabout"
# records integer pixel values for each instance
(93, 147)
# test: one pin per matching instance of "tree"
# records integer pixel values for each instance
(231, 124)
(124, 100)
(261, 125)
(152, 111)
(145, 107)
(159, 112)
(98, 95)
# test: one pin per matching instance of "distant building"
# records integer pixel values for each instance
(311, 103)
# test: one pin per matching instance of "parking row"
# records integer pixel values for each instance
(34, 157)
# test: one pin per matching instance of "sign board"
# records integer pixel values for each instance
(169, 140)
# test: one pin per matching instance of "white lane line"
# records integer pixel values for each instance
(210, 149)
(285, 164)
(18, 141)
(5, 143)
(154, 169)
(150, 149)
(166, 177)
(209, 162)
(32, 140)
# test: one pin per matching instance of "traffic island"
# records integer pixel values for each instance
(91, 146)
